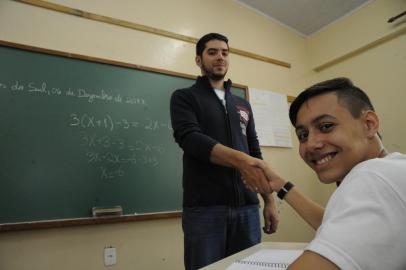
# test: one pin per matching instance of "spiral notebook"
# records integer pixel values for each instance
(267, 259)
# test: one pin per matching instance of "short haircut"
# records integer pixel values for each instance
(201, 44)
(350, 96)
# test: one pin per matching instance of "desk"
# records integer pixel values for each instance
(226, 262)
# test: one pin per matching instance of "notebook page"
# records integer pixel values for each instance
(267, 259)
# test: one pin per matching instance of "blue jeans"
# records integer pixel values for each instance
(215, 232)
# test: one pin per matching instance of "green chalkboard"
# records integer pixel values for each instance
(79, 133)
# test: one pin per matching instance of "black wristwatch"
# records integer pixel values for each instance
(284, 190)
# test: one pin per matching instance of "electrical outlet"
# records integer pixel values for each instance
(110, 257)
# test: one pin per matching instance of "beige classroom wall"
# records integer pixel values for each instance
(375, 59)
(159, 244)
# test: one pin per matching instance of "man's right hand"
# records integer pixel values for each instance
(249, 167)
(253, 175)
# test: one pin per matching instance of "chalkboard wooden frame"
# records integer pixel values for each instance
(43, 224)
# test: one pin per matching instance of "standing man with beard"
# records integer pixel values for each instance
(221, 157)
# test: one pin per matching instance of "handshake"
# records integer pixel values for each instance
(258, 176)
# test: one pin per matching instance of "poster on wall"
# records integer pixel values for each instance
(271, 114)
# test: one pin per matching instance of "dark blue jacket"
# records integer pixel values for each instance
(200, 121)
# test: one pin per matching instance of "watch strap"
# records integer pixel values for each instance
(284, 190)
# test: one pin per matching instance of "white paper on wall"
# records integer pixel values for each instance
(271, 115)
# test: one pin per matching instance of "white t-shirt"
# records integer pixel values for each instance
(221, 95)
(364, 224)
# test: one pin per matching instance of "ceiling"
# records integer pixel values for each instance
(305, 17)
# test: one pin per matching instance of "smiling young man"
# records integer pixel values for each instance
(363, 224)
(221, 158)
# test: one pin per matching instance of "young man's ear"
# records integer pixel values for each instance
(371, 123)
(198, 61)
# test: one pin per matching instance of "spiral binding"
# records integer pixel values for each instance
(266, 264)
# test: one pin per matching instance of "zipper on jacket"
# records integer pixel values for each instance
(237, 194)
(223, 101)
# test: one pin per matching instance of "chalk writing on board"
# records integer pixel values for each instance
(107, 142)
(90, 96)
(111, 174)
(116, 155)
(153, 125)
(107, 122)
(114, 158)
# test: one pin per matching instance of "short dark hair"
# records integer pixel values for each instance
(201, 44)
(347, 93)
